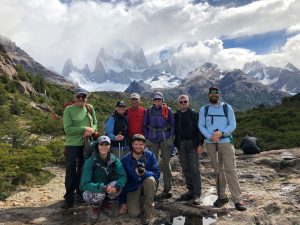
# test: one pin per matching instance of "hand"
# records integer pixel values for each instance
(111, 190)
(89, 131)
(200, 149)
(119, 137)
(123, 209)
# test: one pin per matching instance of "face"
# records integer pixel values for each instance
(138, 147)
(103, 148)
(214, 96)
(121, 110)
(134, 102)
(184, 103)
(81, 99)
(157, 102)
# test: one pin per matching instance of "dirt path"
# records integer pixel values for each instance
(270, 183)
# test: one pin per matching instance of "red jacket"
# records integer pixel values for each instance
(135, 120)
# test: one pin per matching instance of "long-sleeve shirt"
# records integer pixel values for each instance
(75, 120)
(219, 122)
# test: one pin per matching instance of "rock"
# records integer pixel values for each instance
(272, 208)
(25, 87)
(262, 219)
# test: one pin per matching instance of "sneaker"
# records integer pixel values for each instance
(165, 194)
(240, 206)
(196, 200)
(187, 196)
(67, 205)
(221, 202)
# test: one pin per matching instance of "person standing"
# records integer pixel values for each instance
(78, 123)
(103, 176)
(158, 126)
(216, 123)
(117, 130)
(143, 174)
(135, 115)
(189, 142)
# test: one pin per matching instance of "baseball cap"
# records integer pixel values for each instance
(138, 137)
(213, 88)
(102, 139)
(80, 90)
(121, 104)
(135, 95)
(158, 95)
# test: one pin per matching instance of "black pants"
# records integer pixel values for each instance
(74, 163)
(249, 151)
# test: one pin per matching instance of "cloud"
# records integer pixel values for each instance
(51, 31)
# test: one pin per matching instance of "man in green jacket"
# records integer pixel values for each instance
(103, 176)
(79, 122)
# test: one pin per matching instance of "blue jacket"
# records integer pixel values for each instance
(156, 128)
(220, 122)
(134, 181)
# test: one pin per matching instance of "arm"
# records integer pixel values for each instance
(202, 124)
(109, 127)
(87, 183)
(68, 125)
(95, 123)
(231, 122)
(172, 122)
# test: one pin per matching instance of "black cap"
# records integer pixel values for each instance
(121, 104)
(213, 88)
(158, 95)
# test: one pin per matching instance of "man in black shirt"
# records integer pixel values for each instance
(189, 142)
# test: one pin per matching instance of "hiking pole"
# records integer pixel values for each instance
(217, 171)
(119, 150)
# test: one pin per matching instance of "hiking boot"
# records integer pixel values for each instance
(196, 200)
(187, 196)
(94, 216)
(79, 199)
(221, 202)
(165, 194)
(67, 205)
(240, 206)
(146, 219)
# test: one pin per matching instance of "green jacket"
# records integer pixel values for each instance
(97, 173)
(76, 119)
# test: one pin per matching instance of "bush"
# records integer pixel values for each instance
(57, 146)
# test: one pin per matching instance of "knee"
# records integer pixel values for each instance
(149, 181)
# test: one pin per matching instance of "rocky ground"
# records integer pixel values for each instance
(270, 184)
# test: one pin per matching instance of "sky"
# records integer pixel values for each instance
(185, 31)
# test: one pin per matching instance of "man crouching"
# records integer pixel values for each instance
(143, 173)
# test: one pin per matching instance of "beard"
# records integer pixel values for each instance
(137, 152)
(213, 99)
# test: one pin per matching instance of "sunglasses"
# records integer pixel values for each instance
(181, 102)
(157, 99)
(214, 92)
(104, 143)
(81, 96)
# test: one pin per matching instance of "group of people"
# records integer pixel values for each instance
(124, 162)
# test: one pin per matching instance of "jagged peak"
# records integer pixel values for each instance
(291, 67)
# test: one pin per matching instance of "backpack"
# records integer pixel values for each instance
(225, 110)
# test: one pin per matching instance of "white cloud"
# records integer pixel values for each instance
(51, 31)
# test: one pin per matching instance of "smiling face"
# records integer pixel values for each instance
(103, 148)
(81, 99)
(157, 102)
(183, 103)
(138, 147)
(214, 96)
(134, 102)
(121, 110)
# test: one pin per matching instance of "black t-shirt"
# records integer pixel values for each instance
(186, 131)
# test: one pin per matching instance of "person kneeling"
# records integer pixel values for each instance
(143, 174)
(103, 176)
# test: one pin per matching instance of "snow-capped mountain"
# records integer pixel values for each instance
(286, 79)
(164, 80)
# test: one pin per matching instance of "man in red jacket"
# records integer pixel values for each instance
(135, 115)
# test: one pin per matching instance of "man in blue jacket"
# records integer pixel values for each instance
(143, 174)
(216, 123)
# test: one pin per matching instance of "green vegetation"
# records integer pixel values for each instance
(30, 137)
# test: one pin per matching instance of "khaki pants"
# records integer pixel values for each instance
(227, 169)
(143, 196)
(165, 148)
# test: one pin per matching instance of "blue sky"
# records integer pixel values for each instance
(228, 33)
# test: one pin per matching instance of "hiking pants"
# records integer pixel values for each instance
(189, 160)
(226, 167)
(164, 146)
(74, 161)
(142, 197)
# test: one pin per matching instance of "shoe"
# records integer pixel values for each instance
(165, 194)
(196, 200)
(187, 196)
(94, 216)
(67, 205)
(221, 202)
(240, 206)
